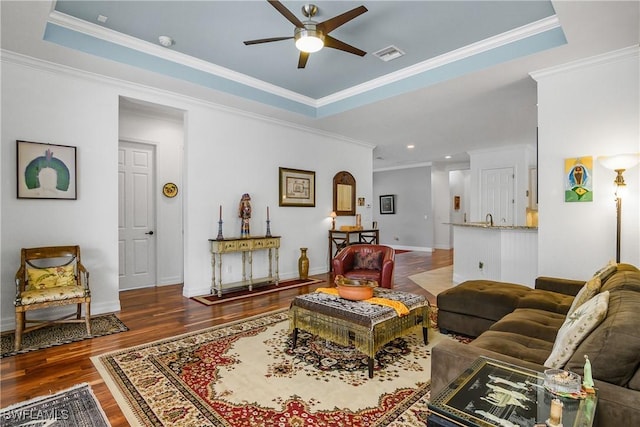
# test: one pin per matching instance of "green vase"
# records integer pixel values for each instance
(303, 264)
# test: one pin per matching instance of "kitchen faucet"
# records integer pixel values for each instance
(489, 219)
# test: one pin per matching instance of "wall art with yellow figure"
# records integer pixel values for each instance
(578, 174)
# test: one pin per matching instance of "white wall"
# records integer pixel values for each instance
(49, 107)
(459, 185)
(411, 227)
(227, 153)
(167, 135)
(587, 108)
(441, 208)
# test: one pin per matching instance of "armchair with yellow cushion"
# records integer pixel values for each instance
(366, 262)
(49, 277)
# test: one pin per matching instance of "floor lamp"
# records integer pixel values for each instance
(619, 163)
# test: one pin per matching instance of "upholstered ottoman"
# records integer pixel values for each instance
(473, 306)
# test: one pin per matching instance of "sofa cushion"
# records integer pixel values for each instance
(546, 300)
(576, 327)
(531, 322)
(623, 279)
(614, 346)
(588, 291)
(486, 299)
(515, 345)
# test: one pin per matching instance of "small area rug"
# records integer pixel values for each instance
(434, 281)
(74, 407)
(244, 374)
(258, 289)
(62, 333)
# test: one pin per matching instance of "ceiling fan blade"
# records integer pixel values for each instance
(333, 23)
(271, 39)
(286, 13)
(302, 61)
(337, 44)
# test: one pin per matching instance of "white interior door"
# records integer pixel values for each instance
(136, 215)
(497, 195)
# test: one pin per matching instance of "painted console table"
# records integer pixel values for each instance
(246, 245)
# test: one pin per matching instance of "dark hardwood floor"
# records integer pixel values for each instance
(155, 313)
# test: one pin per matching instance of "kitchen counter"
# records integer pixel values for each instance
(496, 227)
(506, 253)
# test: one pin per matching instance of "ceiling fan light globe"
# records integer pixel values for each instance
(309, 40)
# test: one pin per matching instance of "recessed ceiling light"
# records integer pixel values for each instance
(166, 41)
(447, 157)
(410, 146)
(102, 18)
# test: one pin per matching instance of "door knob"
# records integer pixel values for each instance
(149, 233)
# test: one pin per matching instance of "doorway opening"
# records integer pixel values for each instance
(150, 220)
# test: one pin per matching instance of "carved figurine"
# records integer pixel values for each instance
(587, 377)
(244, 212)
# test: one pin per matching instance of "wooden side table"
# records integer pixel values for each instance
(246, 246)
(338, 239)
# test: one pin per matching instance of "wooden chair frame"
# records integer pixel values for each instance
(28, 255)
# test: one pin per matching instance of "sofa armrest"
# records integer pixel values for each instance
(343, 261)
(561, 286)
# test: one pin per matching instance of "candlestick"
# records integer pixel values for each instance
(220, 231)
(555, 415)
(268, 234)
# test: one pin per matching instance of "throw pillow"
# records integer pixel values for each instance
(66, 276)
(41, 278)
(588, 291)
(367, 261)
(51, 277)
(575, 328)
(606, 271)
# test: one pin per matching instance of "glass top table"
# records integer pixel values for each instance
(495, 393)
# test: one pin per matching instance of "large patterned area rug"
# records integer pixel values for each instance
(74, 407)
(62, 333)
(245, 374)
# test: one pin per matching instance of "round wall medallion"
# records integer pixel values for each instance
(170, 189)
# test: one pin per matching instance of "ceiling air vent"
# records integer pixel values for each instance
(389, 53)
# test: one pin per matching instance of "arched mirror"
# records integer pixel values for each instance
(344, 194)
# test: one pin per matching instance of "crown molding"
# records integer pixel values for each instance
(627, 53)
(54, 68)
(485, 45)
(102, 33)
(412, 166)
(476, 48)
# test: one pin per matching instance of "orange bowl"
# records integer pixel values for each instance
(355, 290)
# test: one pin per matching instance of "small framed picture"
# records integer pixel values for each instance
(46, 171)
(388, 204)
(297, 188)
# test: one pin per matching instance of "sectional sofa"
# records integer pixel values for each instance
(553, 325)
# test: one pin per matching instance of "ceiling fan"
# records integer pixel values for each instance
(311, 36)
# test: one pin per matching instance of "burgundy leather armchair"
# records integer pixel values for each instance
(366, 262)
